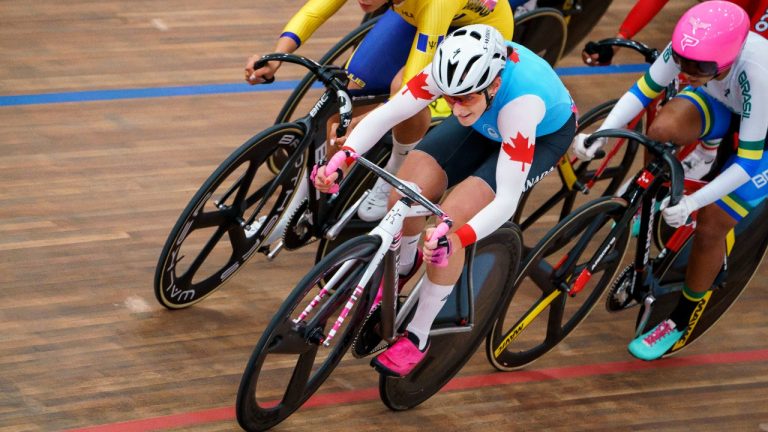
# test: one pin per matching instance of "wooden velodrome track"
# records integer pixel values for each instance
(92, 187)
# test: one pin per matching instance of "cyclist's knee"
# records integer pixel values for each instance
(414, 128)
(666, 128)
(677, 122)
(466, 200)
(422, 169)
(713, 224)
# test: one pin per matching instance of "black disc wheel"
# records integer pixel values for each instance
(543, 31)
(291, 360)
(212, 238)
(582, 21)
(538, 312)
(538, 212)
(492, 268)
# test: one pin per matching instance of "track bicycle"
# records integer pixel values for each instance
(568, 271)
(243, 208)
(330, 310)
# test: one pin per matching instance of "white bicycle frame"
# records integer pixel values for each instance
(389, 230)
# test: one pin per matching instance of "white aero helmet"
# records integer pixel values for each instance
(469, 59)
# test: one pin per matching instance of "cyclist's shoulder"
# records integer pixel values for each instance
(528, 74)
(754, 56)
(524, 64)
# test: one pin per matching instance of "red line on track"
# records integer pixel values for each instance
(461, 383)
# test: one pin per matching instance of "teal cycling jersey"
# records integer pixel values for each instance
(531, 102)
(528, 74)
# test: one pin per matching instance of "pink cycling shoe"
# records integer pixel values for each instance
(401, 358)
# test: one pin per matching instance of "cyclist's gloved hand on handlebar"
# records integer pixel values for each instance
(597, 55)
(261, 75)
(324, 182)
(437, 249)
(586, 153)
(677, 215)
(327, 180)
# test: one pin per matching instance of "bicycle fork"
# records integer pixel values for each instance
(389, 231)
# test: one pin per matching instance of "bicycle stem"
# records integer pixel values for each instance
(333, 77)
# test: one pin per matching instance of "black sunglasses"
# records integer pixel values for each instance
(695, 67)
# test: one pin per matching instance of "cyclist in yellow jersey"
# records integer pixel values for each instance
(400, 45)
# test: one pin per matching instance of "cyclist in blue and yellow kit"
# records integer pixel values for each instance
(400, 45)
(727, 67)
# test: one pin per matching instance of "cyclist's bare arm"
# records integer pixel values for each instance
(298, 30)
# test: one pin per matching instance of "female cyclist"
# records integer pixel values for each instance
(727, 68)
(399, 46)
(512, 121)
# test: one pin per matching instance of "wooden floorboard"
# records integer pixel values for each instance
(91, 190)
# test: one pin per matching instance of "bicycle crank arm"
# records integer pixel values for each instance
(647, 304)
(273, 251)
(334, 231)
(450, 330)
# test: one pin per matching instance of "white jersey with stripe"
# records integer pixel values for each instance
(743, 90)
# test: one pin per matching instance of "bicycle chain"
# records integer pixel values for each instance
(372, 342)
(620, 294)
(298, 232)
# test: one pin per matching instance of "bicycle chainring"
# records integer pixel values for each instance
(368, 339)
(298, 232)
(620, 294)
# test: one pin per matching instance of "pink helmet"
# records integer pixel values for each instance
(709, 36)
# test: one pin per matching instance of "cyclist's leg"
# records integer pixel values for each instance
(381, 54)
(373, 67)
(693, 115)
(454, 150)
(435, 166)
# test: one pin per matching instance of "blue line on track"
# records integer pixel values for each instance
(211, 89)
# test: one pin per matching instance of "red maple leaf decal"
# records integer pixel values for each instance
(514, 56)
(520, 150)
(416, 86)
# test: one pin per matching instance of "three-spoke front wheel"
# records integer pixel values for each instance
(539, 313)
(211, 239)
(290, 361)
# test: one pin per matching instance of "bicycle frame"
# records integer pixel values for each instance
(312, 144)
(412, 204)
(641, 193)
